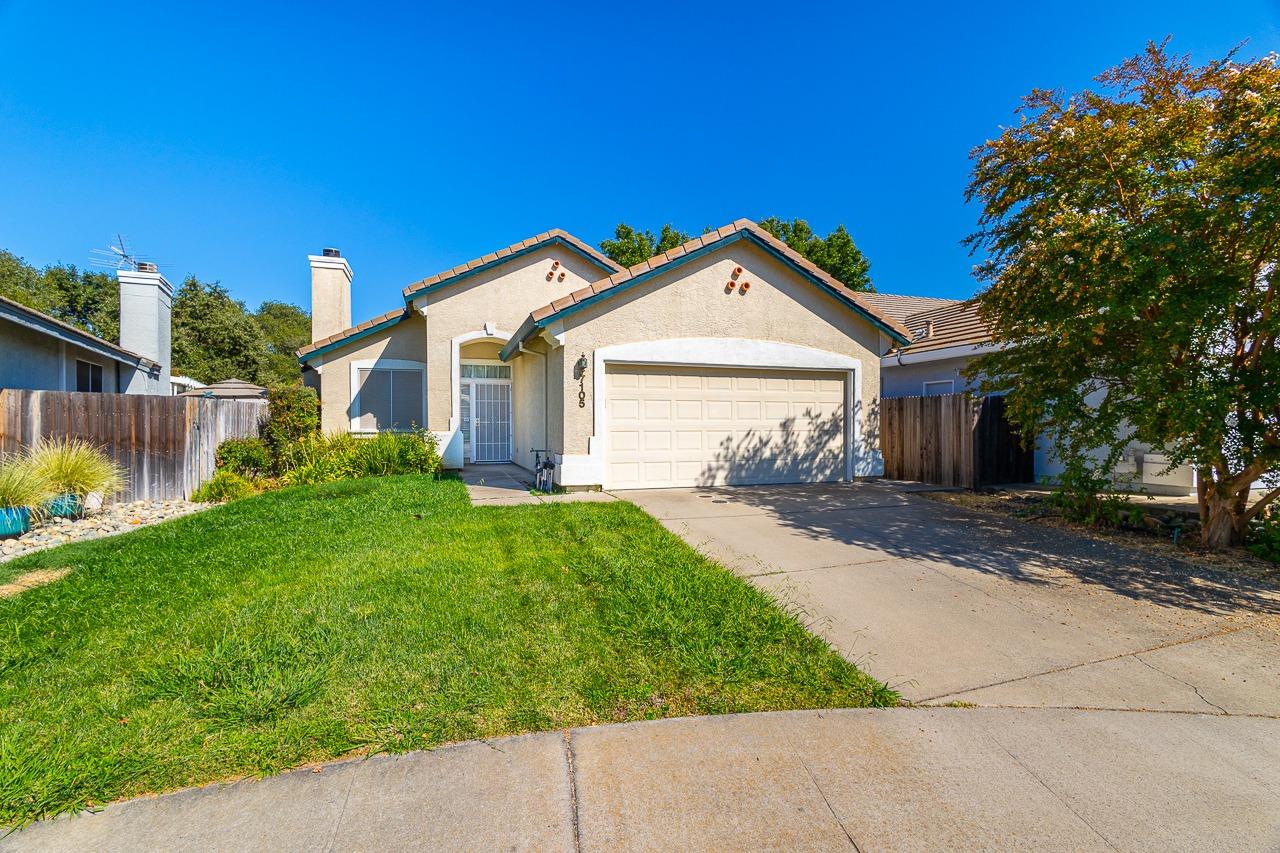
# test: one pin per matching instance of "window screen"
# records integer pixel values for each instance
(88, 376)
(486, 371)
(388, 399)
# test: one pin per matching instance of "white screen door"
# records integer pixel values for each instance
(491, 421)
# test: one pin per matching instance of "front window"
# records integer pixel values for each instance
(88, 376)
(389, 399)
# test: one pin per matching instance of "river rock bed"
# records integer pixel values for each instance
(108, 521)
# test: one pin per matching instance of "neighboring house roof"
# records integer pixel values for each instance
(740, 229)
(228, 389)
(32, 319)
(185, 382)
(952, 326)
(901, 307)
(555, 235)
(456, 275)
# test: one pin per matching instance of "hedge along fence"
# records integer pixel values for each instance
(165, 444)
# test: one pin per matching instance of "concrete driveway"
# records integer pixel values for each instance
(950, 605)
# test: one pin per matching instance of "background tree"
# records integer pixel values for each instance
(1132, 236)
(286, 328)
(630, 247)
(214, 338)
(836, 253)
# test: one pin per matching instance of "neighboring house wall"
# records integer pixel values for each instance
(37, 361)
(908, 380)
(689, 301)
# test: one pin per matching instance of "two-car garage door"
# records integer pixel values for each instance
(672, 426)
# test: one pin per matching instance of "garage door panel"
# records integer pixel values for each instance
(702, 426)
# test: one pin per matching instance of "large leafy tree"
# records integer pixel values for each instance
(1131, 236)
(214, 337)
(630, 246)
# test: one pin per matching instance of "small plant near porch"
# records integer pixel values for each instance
(1132, 236)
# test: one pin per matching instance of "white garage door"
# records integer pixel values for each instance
(701, 427)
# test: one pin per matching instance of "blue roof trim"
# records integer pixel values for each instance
(529, 325)
(32, 319)
(303, 359)
(550, 241)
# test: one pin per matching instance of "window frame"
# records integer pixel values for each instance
(353, 420)
(100, 376)
(924, 387)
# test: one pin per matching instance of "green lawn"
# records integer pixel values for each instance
(370, 615)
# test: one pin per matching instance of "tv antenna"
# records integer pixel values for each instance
(119, 255)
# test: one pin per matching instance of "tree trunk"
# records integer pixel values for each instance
(1222, 519)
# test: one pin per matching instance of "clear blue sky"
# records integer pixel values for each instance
(230, 140)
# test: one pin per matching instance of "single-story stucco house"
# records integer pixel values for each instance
(729, 359)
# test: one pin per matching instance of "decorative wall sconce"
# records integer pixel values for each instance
(580, 373)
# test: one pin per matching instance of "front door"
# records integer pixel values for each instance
(491, 421)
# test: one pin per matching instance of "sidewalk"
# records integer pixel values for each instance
(510, 485)
(805, 780)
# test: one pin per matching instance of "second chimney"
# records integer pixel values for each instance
(330, 294)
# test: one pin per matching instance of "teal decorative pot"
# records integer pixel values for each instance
(67, 506)
(14, 520)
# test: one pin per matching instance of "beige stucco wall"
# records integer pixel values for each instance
(690, 302)
(403, 341)
(502, 296)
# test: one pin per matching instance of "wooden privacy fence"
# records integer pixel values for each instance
(166, 444)
(952, 440)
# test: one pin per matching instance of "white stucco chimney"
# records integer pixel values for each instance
(146, 303)
(330, 294)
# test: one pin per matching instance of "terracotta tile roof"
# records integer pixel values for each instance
(855, 297)
(953, 326)
(399, 313)
(536, 240)
(900, 307)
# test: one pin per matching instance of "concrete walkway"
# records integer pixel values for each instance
(510, 485)
(900, 779)
(948, 604)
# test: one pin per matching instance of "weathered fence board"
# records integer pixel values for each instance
(166, 444)
(951, 440)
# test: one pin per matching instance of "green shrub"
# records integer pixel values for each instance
(293, 414)
(223, 486)
(1087, 496)
(248, 457)
(73, 467)
(1264, 537)
(342, 456)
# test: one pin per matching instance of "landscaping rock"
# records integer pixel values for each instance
(108, 521)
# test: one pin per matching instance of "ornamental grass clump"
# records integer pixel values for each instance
(74, 469)
(23, 493)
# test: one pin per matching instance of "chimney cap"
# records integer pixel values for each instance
(330, 253)
(147, 266)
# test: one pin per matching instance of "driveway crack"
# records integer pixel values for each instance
(1151, 666)
(342, 812)
(573, 790)
(1052, 793)
(827, 803)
